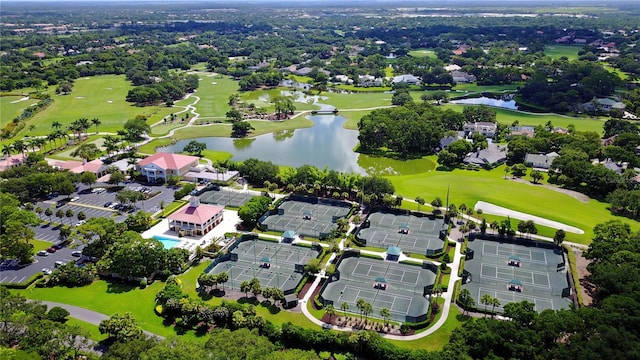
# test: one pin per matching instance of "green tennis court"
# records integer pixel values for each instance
(225, 197)
(397, 287)
(315, 218)
(514, 271)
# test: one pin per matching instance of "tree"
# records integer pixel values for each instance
(256, 289)
(81, 215)
(518, 170)
(494, 302)
(486, 299)
(367, 309)
(48, 212)
(241, 129)
(234, 115)
(245, 287)
(121, 327)
(115, 176)
(559, 236)
(88, 178)
(313, 266)
(195, 147)
(466, 300)
(344, 306)
(436, 203)
(87, 152)
(401, 97)
(239, 344)
(69, 214)
(96, 122)
(536, 175)
(386, 314)
(60, 215)
(223, 277)
(135, 128)
(330, 311)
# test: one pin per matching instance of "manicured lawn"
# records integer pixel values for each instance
(214, 91)
(363, 89)
(464, 89)
(12, 107)
(419, 53)
(40, 245)
(353, 117)
(471, 186)
(94, 333)
(439, 338)
(558, 51)
(101, 97)
(164, 128)
(357, 101)
(214, 155)
(175, 205)
(506, 116)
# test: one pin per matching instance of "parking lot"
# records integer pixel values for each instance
(92, 204)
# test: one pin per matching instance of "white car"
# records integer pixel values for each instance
(75, 198)
(43, 253)
(47, 271)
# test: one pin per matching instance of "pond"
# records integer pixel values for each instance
(326, 144)
(484, 100)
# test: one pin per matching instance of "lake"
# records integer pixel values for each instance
(325, 144)
(505, 104)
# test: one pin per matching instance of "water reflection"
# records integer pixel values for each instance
(505, 104)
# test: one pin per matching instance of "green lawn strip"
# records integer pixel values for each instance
(214, 155)
(301, 79)
(464, 89)
(173, 206)
(506, 116)
(101, 97)
(352, 118)
(471, 186)
(360, 89)
(40, 245)
(558, 51)
(571, 256)
(12, 107)
(542, 230)
(357, 101)
(94, 333)
(439, 338)
(419, 53)
(623, 75)
(214, 91)
(164, 129)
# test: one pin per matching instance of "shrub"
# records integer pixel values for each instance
(143, 283)
(186, 189)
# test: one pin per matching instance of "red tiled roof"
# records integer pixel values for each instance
(11, 161)
(168, 161)
(197, 215)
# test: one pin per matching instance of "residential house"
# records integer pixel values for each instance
(488, 129)
(452, 67)
(406, 78)
(492, 156)
(196, 219)
(158, 167)
(528, 131)
(461, 77)
(540, 161)
(603, 104)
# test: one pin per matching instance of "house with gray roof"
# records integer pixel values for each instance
(488, 129)
(492, 156)
(540, 161)
(602, 104)
(406, 78)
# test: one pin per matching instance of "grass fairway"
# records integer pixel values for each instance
(465, 89)
(437, 340)
(214, 91)
(507, 116)
(471, 186)
(420, 53)
(558, 51)
(12, 107)
(352, 118)
(357, 101)
(99, 97)
(94, 333)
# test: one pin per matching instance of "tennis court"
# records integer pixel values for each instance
(397, 287)
(274, 264)
(306, 218)
(514, 272)
(226, 197)
(410, 233)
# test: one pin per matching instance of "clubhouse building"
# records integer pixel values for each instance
(196, 219)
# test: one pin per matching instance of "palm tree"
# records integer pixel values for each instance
(360, 305)
(7, 149)
(48, 212)
(69, 214)
(38, 143)
(486, 300)
(38, 210)
(367, 310)
(466, 300)
(31, 128)
(84, 124)
(52, 138)
(56, 125)
(344, 307)
(330, 311)
(19, 146)
(494, 302)
(96, 122)
(386, 314)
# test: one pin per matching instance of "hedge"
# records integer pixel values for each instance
(461, 269)
(303, 282)
(370, 256)
(574, 273)
(456, 290)
(23, 285)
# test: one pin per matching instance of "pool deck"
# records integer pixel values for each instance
(191, 242)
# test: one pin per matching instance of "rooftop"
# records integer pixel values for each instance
(168, 160)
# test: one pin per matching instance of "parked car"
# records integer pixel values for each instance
(58, 246)
(108, 204)
(59, 263)
(75, 198)
(81, 222)
(76, 253)
(47, 271)
(60, 203)
(51, 250)
(42, 253)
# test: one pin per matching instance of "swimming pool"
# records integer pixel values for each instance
(167, 242)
